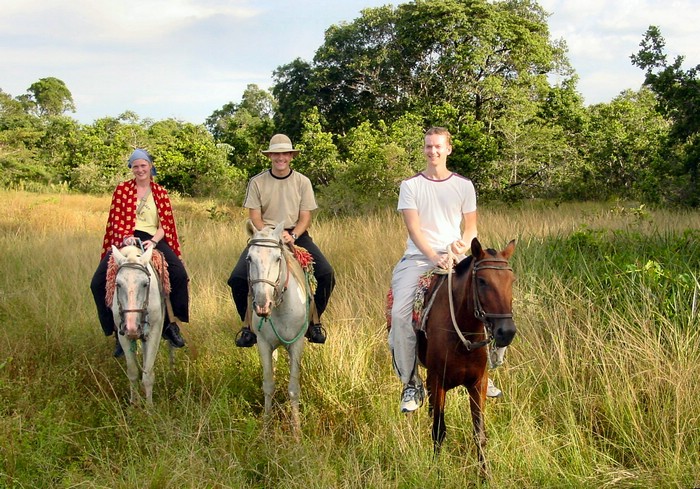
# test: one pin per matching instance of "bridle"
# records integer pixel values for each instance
(479, 313)
(277, 285)
(143, 310)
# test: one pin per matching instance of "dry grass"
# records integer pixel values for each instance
(597, 393)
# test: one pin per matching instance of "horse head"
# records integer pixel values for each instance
(133, 283)
(492, 289)
(267, 268)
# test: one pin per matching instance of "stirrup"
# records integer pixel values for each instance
(316, 333)
(246, 338)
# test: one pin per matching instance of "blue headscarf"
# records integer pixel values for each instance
(142, 154)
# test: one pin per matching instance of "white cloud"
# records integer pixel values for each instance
(602, 35)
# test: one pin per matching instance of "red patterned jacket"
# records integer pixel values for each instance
(122, 216)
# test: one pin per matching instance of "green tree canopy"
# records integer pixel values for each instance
(49, 96)
(471, 54)
(245, 128)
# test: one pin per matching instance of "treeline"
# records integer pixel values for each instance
(488, 71)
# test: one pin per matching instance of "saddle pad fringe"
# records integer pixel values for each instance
(306, 261)
(157, 262)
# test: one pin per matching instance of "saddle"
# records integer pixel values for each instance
(157, 262)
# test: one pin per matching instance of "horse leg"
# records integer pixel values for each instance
(132, 369)
(265, 351)
(477, 401)
(295, 352)
(436, 398)
(150, 354)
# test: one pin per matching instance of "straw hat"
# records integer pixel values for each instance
(280, 144)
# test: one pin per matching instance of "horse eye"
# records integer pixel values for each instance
(482, 282)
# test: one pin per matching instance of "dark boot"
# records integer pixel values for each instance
(316, 333)
(246, 338)
(118, 351)
(171, 332)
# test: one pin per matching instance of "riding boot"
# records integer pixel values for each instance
(171, 332)
(118, 350)
(316, 333)
(246, 338)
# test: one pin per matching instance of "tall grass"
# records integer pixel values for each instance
(600, 383)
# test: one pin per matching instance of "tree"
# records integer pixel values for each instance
(49, 96)
(190, 162)
(295, 94)
(378, 158)
(678, 96)
(624, 142)
(245, 128)
(470, 54)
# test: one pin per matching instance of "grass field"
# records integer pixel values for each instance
(601, 383)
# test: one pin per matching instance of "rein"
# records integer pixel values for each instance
(479, 313)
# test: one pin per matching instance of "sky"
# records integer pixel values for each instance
(184, 59)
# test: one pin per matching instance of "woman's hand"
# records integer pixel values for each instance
(129, 241)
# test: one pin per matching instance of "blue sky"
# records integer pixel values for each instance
(187, 58)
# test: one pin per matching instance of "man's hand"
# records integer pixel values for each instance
(459, 247)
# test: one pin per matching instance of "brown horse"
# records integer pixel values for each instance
(471, 308)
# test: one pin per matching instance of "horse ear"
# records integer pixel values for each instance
(476, 248)
(250, 229)
(118, 257)
(146, 257)
(508, 250)
(278, 230)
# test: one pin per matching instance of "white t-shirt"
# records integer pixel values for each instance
(441, 205)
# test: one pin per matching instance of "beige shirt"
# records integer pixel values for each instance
(280, 199)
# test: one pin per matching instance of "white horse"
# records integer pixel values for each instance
(139, 309)
(280, 309)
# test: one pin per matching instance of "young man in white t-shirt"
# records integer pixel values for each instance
(439, 210)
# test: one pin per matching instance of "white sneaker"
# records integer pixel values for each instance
(411, 397)
(492, 390)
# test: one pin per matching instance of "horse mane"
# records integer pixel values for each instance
(462, 267)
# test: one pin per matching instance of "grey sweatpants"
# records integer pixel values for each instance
(402, 338)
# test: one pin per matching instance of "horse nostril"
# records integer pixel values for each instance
(504, 335)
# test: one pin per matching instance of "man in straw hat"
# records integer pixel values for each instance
(281, 194)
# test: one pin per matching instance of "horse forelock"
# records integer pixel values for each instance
(131, 253)
(492, 252)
